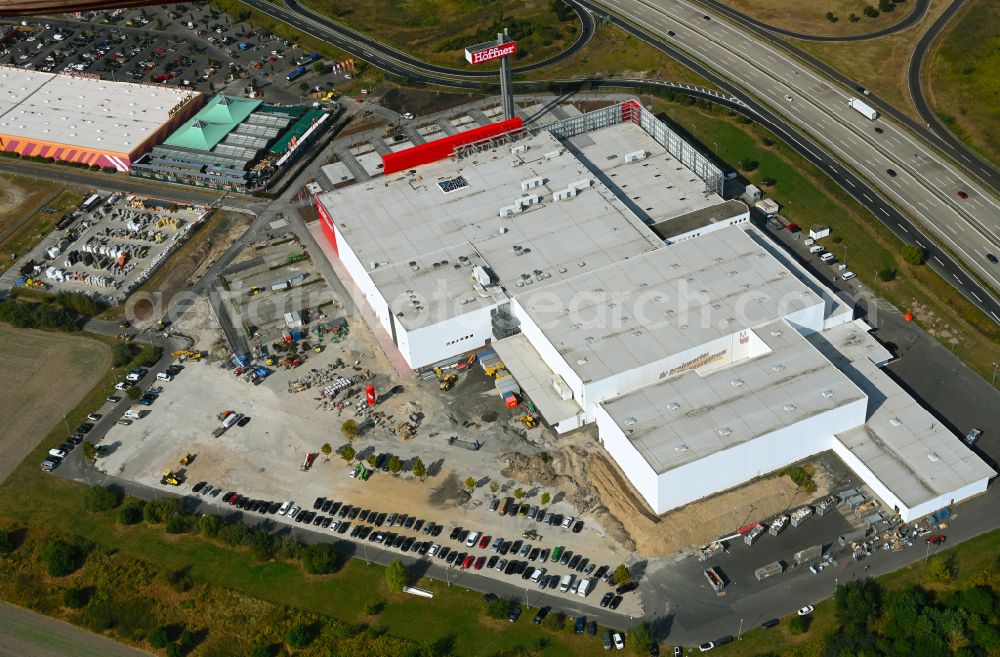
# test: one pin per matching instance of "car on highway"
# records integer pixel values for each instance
(805, 611)
(992, 258)
(788, 97)
(962, 195)
(879, 130)
(891, 172)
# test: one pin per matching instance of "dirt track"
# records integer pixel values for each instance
(24, 633)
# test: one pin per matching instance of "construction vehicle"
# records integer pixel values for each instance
(255, 290)
(406, 430)
(124, 324)
(445, 381)
(184, 354)
(170, 478)
(528, 420)
(186, 459)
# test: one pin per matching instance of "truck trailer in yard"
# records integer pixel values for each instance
(863, 108)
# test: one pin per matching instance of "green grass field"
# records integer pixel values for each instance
(961, 76)
(21, 240)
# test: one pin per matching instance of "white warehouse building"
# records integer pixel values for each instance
(598, 259)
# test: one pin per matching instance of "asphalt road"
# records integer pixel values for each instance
(922, 181)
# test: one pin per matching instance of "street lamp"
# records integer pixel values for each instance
(739, 635)
(994, 381)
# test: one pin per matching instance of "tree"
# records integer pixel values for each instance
(747, 164)
(326, 449)
(6, 541)
(350, 429)
(76, 597)
(641, 637)
(798, 625)
(372, 460)
(134, 393)
(470, 484)
(519, 493)
(830, 16)
(299, 636)
(499, 608)
(122, 353)
(419, 469)
(303, 87)
(546, 498)
(208, 525)
(320, 559)
(913, 254)
(319, 67)
(62, 558)
(854, 18)
(870, 12)
(89, 451)
(348, 453)
(886, 274)
(886, 5)
(494, 486)
(131, 513)
(159, 637)
(395, 465)
(621, 575)
(396, 576)
(261, 650)
(941, 570)
(101, 498)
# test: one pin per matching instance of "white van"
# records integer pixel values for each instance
(566, 582)
(473, 537)
(58, 453)
(848, 275)
(163, 376)
(537, 575)
(232, 419)
(584, 587)
(132, 414)
(827, 257)
(816, 248)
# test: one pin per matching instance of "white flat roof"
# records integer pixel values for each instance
(642, 309)
(400, 225)
(906, 448)
(86, 112)
(535, 378)
(791, 383)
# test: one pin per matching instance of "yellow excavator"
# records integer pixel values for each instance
(446, 380)
(186, 459)
(184, 354)
(170, 478)
(528, 421)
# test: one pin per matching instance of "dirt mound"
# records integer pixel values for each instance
(448, 493)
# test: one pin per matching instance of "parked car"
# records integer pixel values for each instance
(619, 641)
(514, 615)
(805, 611)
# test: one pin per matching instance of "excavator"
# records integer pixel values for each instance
(184, 354)
(528, 420)
(186, 459)
(446, 380)
(170, 478)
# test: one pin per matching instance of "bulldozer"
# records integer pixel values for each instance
(170, 478)
(186, 459)
(446, 381)
(528, 421)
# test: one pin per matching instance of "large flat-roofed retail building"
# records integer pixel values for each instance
(597, 259)
(87, 120)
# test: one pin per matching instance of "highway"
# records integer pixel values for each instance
(904, 169)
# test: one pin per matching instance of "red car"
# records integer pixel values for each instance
(479, 563)
(235, 498)
(937, 539)
(963, 195)
(468, 562)
(484, 542)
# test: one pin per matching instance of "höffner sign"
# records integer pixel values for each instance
(486, 52)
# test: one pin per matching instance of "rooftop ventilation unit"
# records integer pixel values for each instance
(736, 383)
(680, 448)
(933, 457)
(563, 194)
(530, 199)
(635, 156)
(553, 154)
(778, 367)
(531, 183)
(580, 185)
(510, 210)
(673, 406)
(725, 431)
(895, 421)
(520, 148)
(828, 393)
(789, 407)
(482, 276)
(630, 420)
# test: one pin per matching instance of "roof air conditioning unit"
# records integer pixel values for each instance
(531, 183)
(580, 185)
(520, 148)
(553, 154)
(635, 156)
(564, 194)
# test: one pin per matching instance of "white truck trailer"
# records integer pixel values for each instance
(863, 108)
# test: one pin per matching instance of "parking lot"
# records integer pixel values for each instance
(109, 245)
(182, 45)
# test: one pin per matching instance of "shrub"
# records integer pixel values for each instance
(499, 608)
(941, 570)
(262, 545)
(161, 509)
(349, 428)
(62, 558)
(320, 559)
(913, 254)
(299, 636)
(131, 513)
(134, 393)
(208, 525)
(801, 476)
(887, 274)
(159, 637)
(641, 636)
(746, 164)
(101, 498)
(798, 625)
(396, 576)
(261, 650)
(6, 541)
(122, 353)
(174, 650)
(76, 597)
(621, 575)
(375, 607)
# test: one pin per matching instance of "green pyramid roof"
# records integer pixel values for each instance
(211, 125)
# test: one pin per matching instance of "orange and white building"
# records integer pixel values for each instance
(88, 120)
